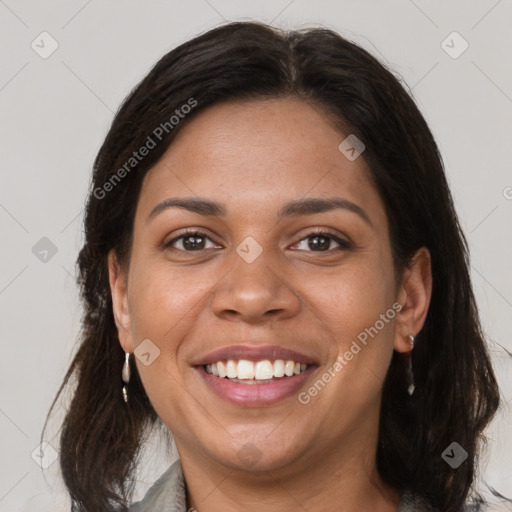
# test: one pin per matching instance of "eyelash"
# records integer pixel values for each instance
(344, 245)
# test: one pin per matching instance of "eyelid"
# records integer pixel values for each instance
(185, 233)
(343, 241)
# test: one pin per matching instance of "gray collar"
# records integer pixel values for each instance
(168, 494)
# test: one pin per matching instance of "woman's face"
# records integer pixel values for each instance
(256, 281)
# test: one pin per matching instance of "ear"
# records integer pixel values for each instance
(119, 290)
(414, 295)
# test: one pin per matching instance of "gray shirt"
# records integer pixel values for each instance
(168, 494)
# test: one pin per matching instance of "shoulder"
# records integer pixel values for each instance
(166, 494)
(410, 502)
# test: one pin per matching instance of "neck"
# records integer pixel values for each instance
(345, 480)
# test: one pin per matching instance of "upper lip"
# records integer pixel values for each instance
(252, 353)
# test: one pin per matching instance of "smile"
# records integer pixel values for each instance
(255, 384)
(244, 371)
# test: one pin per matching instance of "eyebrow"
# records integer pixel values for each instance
(306, 206)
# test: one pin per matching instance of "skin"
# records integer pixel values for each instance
(253, 157)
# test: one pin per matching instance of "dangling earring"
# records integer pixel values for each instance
(410, 374)
(125, 375)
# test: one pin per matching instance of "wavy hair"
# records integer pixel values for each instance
(456, 391)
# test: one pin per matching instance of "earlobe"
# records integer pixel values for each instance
(118, 290)
(414, 295)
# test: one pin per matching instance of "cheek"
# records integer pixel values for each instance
(349, 303)
(163, 309)
(351, 299)
(356, 309)
(164, 301)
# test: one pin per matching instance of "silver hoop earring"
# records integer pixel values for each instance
(125, 375)
(410, 374)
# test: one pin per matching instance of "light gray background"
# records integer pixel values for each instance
(55, 113)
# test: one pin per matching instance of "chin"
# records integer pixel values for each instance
(261, 453)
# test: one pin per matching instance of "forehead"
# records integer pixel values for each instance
(257, 152)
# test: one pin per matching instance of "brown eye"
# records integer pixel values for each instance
(189, 242)
(322, 242)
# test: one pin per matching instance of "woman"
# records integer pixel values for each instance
(273, 270)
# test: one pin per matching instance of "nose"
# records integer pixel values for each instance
(254, 293)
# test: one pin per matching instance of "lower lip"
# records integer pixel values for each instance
(255, 395)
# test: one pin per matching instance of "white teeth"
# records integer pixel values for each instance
(263, 370)
(221, 368)
(279, 368)
(231, 369)
(251, 381)
(288, 368)
(245, 369)
(255, 371)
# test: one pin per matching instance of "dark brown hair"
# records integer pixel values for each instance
(456, 392)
